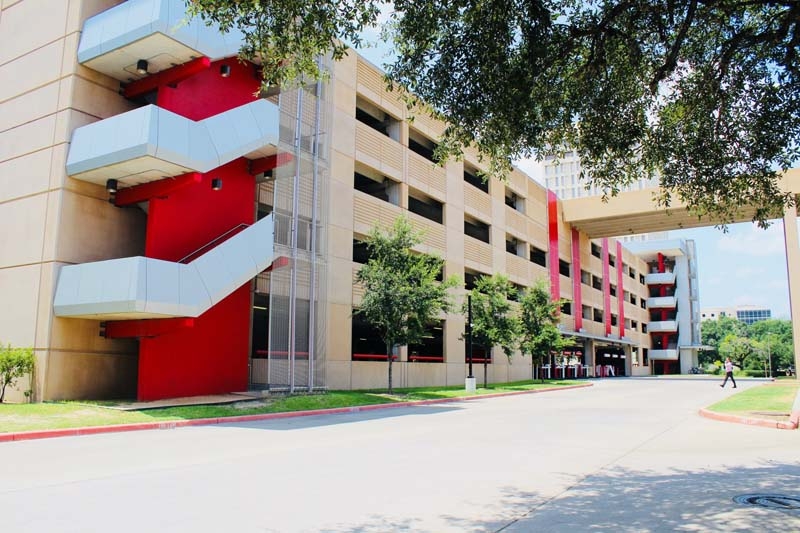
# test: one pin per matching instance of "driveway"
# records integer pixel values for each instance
(624, 455)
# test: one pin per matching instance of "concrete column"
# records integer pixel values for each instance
(790, 238)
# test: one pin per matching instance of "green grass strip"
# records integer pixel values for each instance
(762, 402)
(61, 415)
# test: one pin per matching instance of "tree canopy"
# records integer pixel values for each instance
(494, 321)
(539, 324)
(704, 95)
(402, 296)
(749, 346)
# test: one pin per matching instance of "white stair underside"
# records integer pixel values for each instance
(155, 30)
(142, 287)
(151, 143)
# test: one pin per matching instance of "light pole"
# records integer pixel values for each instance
(769, 355)
(469, 334)
(469, 382)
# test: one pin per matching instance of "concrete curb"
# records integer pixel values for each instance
(95, 430)
(773, 424)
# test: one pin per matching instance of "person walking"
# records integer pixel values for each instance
(728, 373)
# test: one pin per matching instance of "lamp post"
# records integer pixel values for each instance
(769, 355)
(469, 334)
(469, 382)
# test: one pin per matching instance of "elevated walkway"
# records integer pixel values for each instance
(635, 212)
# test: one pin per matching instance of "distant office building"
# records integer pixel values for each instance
(746, 313)
(563, 177)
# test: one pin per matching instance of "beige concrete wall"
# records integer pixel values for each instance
(354, 214)
(51, 219)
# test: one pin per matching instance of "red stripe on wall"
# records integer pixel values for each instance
(620, 291)
(552, 231)
(606, 288)
(577, 297)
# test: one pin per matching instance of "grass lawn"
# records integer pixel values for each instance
(772, 401)
(60, 415)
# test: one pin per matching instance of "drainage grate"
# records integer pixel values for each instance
(770, 501)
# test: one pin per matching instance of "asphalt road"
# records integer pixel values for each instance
(624, 455)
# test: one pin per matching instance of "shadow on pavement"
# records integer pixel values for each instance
(321, 420)
(628, 501)
(683, 500)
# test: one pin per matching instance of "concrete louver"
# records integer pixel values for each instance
(151, 143)
(158, 31)
(141, 287)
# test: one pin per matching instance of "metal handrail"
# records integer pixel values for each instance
(215, 240)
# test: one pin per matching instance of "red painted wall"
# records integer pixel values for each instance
(552, 248)
(207, 94)
(606, 288)
(620, 291)
(577, 295)
(212, 357)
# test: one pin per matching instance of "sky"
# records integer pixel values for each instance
(744, 266)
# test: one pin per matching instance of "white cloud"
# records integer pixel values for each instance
(754, 241)
(748, 271)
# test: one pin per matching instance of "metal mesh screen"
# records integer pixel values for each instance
(296, 350)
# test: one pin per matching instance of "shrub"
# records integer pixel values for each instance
(14, 363)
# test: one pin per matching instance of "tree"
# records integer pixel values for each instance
(713, 332)
(539, 324)
(739, 349)
(14, 363)
(775, 337)
(705, 96)
(493, 320)
(401, 293)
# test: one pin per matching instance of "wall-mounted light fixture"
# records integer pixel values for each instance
(141, 66)
(225, 70)
(216, 184)
(111, 186)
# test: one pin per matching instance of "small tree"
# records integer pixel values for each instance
(14, 363)
(493, 319)
(539, 324)
(401, 293)
(739, 349)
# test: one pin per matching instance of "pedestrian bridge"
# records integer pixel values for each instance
(635, 212)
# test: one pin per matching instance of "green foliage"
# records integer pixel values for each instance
(286, 36)
(737, 348)
(401, 294)
(704, 96)
(539, 323)
(14, 363)
(493, 319)
(765, 340)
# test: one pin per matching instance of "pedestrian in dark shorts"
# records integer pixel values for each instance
(728, 373)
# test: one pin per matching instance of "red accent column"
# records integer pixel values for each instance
(577, 297)
(552, 250)
(606, 288)
(661, 266)
(620, 291)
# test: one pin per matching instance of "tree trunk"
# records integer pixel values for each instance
(389, 358)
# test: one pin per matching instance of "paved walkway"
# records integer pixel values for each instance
(624, 455)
